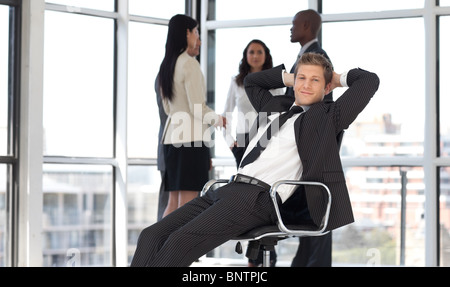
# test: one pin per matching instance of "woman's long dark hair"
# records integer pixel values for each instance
(244, 67)
(176, 44)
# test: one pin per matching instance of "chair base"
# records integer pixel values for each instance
(267, 244)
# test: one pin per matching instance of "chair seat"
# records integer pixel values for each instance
(272, 230)
(266, 237)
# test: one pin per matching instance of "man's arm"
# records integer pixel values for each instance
(257, 86)
(362, 86)
(337, 81)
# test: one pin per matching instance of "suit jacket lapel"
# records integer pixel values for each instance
(297, 130)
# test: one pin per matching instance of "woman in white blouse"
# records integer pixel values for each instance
(255, 57)
(187, 133)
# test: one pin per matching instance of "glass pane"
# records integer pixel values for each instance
(444, 220)
(277, 39)
(349, 6)
(77, 215)
(444, 91)
(253, 9)
(385, 127)
(145, 56)
(143, 195)
(157, 9)
(78, 85)
(374, 238)
(4, 44)
(3, 218)
(107, 5)
(444, 2)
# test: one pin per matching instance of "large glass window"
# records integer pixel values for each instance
(444, 2)
(4, 45)
(77, 215)
(151, 9)
(79, 118)
(143, 195)
(78, 85)
(400, 127)
(107, 5)
(392, 124)
(381, 235)
(145, 54)
(351, 6)
(444, 85)
(79, 115)
(253, 9)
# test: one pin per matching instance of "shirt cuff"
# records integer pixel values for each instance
(343, 79)
(282, 76)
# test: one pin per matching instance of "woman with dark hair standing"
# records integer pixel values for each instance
(187, 130)
(255, 57)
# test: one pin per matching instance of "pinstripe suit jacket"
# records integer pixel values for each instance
(319, 153)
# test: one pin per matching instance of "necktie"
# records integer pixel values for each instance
(264, 139)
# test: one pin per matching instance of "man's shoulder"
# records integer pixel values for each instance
(279, 103)
(316, 48)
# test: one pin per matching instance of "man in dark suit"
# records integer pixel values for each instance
(305, 29)
(306, 25)
(304, 147)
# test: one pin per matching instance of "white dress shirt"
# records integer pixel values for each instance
(280, 153)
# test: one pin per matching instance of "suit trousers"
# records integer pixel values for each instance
(314, 251)
(203, 224)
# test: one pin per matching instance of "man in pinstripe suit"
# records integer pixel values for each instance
(313, 251)
(243, 204)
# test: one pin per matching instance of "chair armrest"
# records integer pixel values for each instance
(208, 185)
(282, 226)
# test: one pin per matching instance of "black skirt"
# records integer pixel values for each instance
(187, 166)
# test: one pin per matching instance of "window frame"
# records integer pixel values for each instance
(12, 158)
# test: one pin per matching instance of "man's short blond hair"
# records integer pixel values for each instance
(316, 59)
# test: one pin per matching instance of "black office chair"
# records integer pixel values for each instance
(267, 237)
